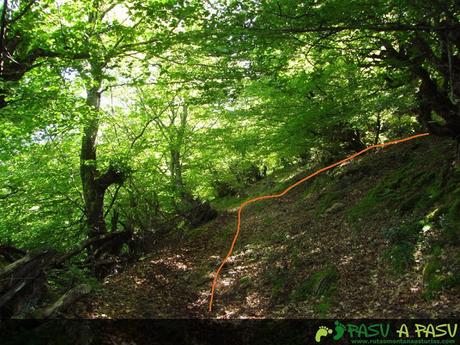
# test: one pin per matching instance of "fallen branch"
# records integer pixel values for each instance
(59, 260)
(64, 301)
(11, 254)
(23, 281)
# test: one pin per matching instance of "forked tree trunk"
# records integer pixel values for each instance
(94, 183)
(92, 193)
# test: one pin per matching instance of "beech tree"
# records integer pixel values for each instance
(124, 116)
(412, 42)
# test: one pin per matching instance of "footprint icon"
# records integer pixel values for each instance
(321, 332)
(339, 331)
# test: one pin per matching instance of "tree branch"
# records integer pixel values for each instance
(23, 12)
(111, 176)
(78, 249)
(114, 198)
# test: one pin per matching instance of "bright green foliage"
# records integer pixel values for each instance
(264, 86)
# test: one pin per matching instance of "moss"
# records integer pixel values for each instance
(323, 307)
(274, 236)
(326, 200)
(402, 239)
(245, 282)
(400, 256)
(432, 278)
(269, 220)
(278, 281)
(453, 279)
(441, 271)
(197, 278)
(452, 222)
(322, 283)
(410, 189)
(296, 258)
(360, 210)
(226, 203)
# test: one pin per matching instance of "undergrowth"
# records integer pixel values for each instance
(421, 198)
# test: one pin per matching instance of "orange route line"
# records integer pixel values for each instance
(240, 209)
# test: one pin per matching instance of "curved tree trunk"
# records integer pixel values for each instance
(95, 183)
(92, 193)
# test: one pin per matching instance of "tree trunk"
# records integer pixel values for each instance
(176, 145)
(439, 89)
(433, 100)
(176, 170)
(95, 183)
(378, 128)
(93, 194)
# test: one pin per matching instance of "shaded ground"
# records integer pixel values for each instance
(313, 253)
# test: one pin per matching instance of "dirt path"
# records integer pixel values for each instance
(175, 281)
(285, 244)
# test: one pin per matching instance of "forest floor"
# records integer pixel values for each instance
(336, 247)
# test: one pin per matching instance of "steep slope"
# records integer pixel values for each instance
(378, 237)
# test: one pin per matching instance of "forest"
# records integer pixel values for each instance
(132, 130)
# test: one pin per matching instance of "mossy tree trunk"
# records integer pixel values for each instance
(94, 182)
